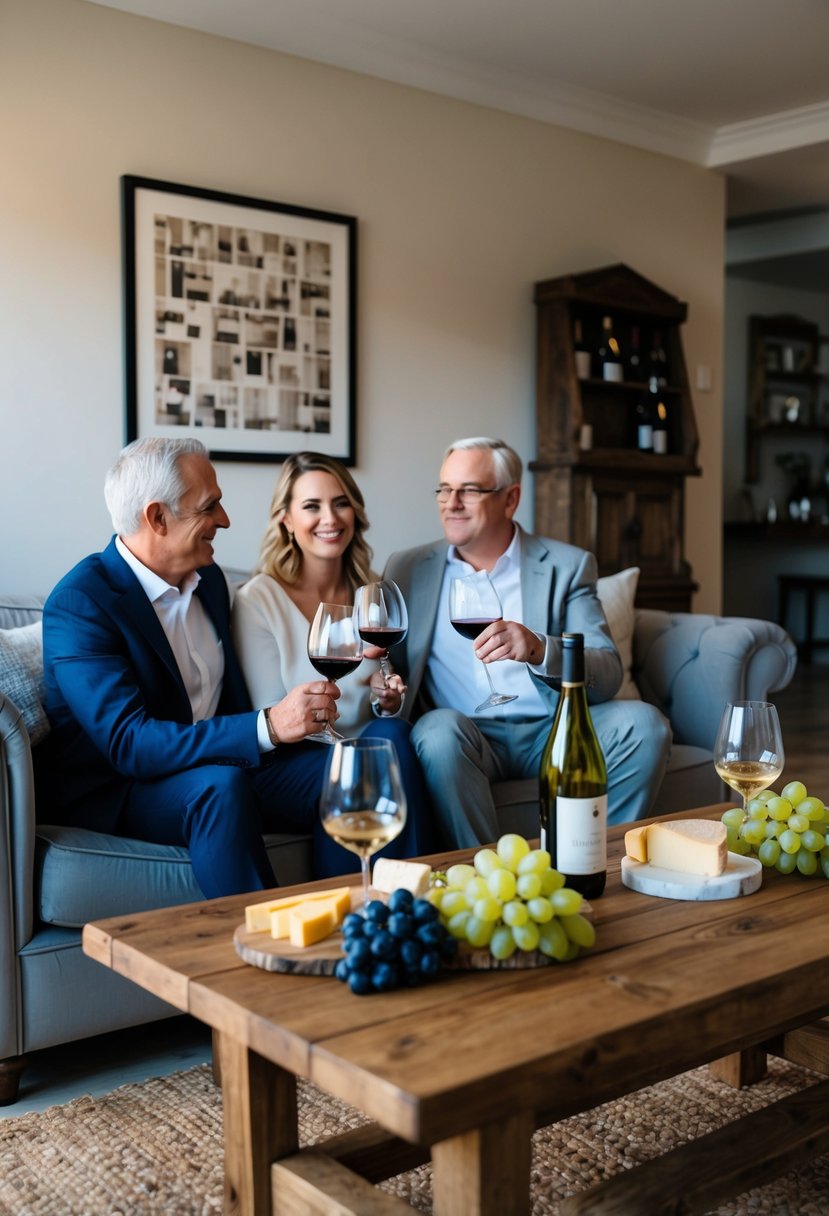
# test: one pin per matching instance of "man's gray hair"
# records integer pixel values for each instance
(509, 466)
(147, 470)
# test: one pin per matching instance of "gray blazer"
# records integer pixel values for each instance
(558, 589)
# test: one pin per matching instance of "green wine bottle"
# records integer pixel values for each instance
(573, 782)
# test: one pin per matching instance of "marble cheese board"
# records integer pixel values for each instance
(742, 876)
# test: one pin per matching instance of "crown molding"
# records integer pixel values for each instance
(571, 107)
(771, 134)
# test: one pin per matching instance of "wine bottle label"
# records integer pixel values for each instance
(581, 835)
(613, 371)
(660, 442)
(645, 435)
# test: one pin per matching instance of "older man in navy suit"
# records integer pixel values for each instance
(546, 588)
(153, 734)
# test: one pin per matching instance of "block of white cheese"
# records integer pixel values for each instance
(388, 875)
(689, 846)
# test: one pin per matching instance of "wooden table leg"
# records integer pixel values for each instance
(740, 1069)
(259, 1101)
(485, 1172)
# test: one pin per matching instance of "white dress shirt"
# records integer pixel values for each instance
(454, 677)
(193, 640)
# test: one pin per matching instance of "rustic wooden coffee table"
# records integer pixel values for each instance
(464, 1069)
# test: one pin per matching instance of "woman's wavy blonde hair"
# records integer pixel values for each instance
(280, 557)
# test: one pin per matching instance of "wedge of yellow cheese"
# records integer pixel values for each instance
(339, 901)
(688, 846)
(389, 874)
(258, 916)
(311, 922)
(636, 843)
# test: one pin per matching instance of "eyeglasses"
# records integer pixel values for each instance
(470, 494)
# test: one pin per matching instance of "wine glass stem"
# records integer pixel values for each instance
(328, 729)
(489, 677)
(364, 860)
(384, 667)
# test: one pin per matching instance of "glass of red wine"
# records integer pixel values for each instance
(474, 604)
(335, 649)
(381, 617)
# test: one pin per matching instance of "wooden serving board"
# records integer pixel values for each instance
(261, 950)
(742, 876)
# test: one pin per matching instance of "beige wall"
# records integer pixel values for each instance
(460, 209)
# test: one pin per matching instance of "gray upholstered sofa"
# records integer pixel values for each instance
(57, 878)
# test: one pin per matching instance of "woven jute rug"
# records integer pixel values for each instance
(157, 1147)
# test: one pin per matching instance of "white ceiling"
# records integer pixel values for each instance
(737, 85)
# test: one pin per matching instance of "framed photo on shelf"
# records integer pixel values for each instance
(240, 320)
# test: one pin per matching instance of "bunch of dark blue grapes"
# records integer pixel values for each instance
(395, 945)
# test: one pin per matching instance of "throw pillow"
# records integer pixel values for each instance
(21, 675)
(616, 594)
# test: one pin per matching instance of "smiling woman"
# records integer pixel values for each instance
(314, 551)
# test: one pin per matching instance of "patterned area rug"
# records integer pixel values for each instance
(156, 1148)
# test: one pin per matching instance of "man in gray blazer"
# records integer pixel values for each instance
(546, 588)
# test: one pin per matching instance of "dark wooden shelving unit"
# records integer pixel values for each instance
(785, 398)
(624, 505)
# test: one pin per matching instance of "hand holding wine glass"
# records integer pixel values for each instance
(382, 618)
(474, 604)
(335, 649)
(748, 750)
(363, 806)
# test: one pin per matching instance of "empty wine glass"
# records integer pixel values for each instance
(474, 604)
(363, 806)
(748, 750)
(381, 617)
(335, 649)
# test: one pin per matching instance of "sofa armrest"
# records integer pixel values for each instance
(17, 854)
(690, 665)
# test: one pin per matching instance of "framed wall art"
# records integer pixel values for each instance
(240, 322)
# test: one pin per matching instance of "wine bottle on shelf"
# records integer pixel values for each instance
(660, 427)
(658, 360)
(581, 351)
(610, 358)
(573, 782)
(636, 372)
(645, 414)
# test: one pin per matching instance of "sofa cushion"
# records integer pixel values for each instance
(21, 675)
(617, 593)
(84, 875)
(20, 610)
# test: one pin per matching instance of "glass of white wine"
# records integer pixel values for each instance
(748, 751)
(363, 806)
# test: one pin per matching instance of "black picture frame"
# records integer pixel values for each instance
(240, 322)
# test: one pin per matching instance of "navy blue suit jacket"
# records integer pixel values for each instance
(115, 698)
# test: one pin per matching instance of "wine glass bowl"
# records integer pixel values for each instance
(748, 750)
(474, 604)
(363, 806)
(382, 619)
(334, 649)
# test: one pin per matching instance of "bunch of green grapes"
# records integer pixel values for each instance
(789, 831)
(511, 899)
